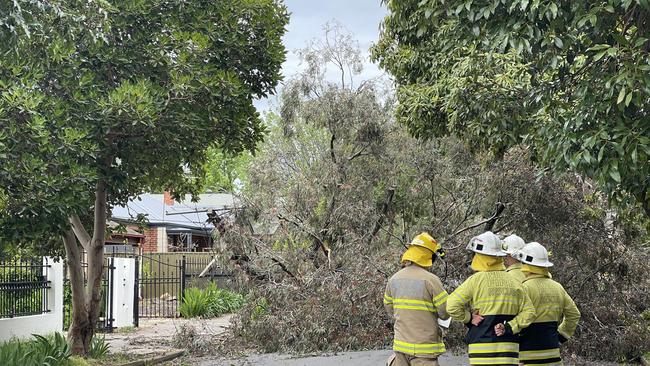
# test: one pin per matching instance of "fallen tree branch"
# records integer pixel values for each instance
(489, 223)
(323, 246)
(284, 267)
(390, 193)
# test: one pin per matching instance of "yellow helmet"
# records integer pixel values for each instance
(427, 241)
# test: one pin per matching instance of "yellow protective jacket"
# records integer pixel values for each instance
(515, 271)
(557, 319)
(499, 298)
(415, 298)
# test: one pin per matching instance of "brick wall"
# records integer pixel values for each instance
(150, 244)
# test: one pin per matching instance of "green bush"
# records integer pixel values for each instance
(98, 348)
(210, 302)
(41, 351)
(195, 303)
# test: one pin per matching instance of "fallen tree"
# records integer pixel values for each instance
(339, 188)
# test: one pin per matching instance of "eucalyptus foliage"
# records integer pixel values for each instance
(570, 79)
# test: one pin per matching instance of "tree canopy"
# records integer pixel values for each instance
(102, 101)
(568, 79)
(135, 100)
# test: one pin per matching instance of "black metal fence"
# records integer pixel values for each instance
(163, 278)
(106, 319)
(23, 288)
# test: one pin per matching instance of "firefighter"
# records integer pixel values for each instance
(415, 299)
(557, 315)
(489, 297)
(510, 245)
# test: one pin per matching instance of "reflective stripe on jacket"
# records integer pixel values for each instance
(415, 298)
(557, 315)
(515, 271)
(499, 298)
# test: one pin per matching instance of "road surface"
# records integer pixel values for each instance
(365, 358)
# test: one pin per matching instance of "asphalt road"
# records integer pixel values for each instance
(366, 358)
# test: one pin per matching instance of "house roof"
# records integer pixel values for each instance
(186, 214)
(126, 231)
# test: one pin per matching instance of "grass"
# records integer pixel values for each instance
(125, 330)
(110, 360)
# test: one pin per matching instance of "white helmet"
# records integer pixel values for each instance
(534, 254)
(513, 243)
(487, 243)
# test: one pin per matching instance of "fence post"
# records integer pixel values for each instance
(136, 293)
(111, 289)
(183, 264)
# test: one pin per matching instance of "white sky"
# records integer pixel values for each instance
(360, 17)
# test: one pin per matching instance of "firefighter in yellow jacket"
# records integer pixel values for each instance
(511, 244)
(557, 314)
(415, 299)
(489, 297)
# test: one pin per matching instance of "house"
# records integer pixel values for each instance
(171, 226)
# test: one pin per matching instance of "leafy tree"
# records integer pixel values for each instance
(570, 79)
(103, 101)
(225, 172)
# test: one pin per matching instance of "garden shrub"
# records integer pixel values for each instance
(210, 302)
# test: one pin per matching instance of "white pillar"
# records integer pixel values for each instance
(55, 293)
(123, 292)
(161, 241)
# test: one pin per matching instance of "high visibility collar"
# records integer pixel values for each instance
(514, 266)
(421, 256)
(485, 263)
(535, 272)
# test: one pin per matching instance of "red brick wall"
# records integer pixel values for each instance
(150, 244)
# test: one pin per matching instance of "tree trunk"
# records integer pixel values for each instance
(86, 305)
(80, 328)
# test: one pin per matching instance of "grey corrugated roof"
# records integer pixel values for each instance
(181, 214)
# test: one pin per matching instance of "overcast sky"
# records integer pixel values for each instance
(360, 17)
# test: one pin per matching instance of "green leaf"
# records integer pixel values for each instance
(613, 172)
(640, 42)
(628, 99)
(599, 47)
(554, 9)
(599, 55)
(601, 153)
(559, 43)
(621, 96)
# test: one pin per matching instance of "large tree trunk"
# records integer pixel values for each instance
(80, 328)
(86, 305)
